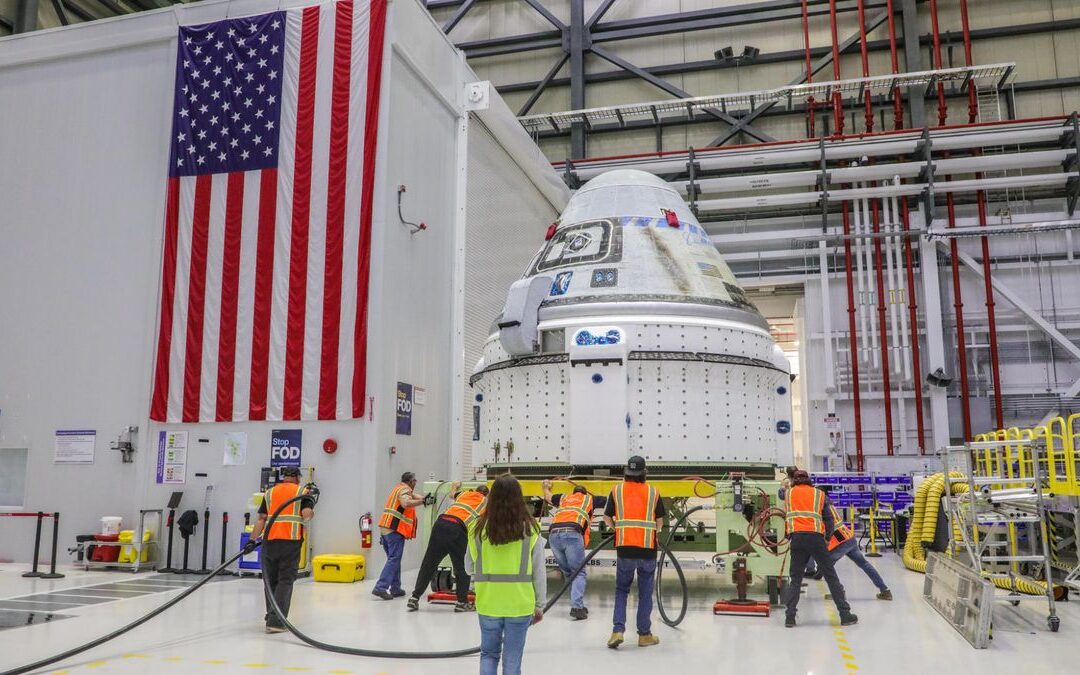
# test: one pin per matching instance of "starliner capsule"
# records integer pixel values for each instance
(628, 335)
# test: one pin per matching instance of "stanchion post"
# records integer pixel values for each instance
(224, 540)
(872, 551)
(53, 574)
(169, 569)
(205, 542)
(37, 546)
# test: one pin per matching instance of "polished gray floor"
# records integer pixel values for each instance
(219, 630)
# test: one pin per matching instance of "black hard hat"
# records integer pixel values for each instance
(635, 466)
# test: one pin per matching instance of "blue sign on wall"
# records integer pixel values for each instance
(285, 447)
(404, 408)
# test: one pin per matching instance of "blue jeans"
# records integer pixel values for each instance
(506, 636)
(390, 578)
(568, 547)
(850, 548)
(624, 576)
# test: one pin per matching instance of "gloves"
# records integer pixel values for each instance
(429, 500)
(312, 490)
(251, 545)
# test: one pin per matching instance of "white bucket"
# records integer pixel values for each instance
(110, 525)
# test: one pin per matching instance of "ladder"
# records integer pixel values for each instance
(998, 526)
(988, 98)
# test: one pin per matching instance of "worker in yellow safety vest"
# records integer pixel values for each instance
(282, 547)
(842, 544)
(397, 523)
(506, 559)
(635, 510)
(568, 536)
(809, 516)
(450, 537)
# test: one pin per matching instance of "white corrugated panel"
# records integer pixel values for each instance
(507, 217)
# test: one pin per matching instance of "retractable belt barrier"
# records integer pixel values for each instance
(41, 515)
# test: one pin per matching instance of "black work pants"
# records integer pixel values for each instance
(280, 563)
(804, 547)
(447, 539)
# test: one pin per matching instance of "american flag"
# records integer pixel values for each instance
(263, 310)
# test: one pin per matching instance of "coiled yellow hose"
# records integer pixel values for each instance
(923, 526)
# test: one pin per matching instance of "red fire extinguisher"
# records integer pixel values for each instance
(365, 530)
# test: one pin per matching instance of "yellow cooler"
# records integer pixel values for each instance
(342, 568)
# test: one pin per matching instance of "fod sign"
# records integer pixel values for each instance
(285, 447)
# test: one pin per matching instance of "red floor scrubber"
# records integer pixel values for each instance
(741, 606)
(442, 588)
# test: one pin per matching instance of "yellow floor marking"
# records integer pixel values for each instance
(60, 672)
(216, 662)
(847, 657)
(173, 658)
(136, 656)
(256, 665)
(96, 664)
(851, 666)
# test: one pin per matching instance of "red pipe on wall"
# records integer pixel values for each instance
(810, 103)
(898, 99)
(958, 297)
(854, 340)
(943, 107)
(913, 312)
(837, 101)
(868, 98)
(883, 329)
(988, 287)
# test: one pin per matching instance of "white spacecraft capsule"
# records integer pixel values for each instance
(628, 335)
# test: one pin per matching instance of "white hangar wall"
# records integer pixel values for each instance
(80, 250)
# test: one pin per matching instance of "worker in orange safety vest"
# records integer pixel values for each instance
(808, 518)
(397, 523)
(842, 544)
(635, 510)
(450, 537)
(568, 536)
(283, 543)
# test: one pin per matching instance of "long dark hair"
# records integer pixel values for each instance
(507, 518)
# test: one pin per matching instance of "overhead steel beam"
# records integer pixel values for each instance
(458, 15)
(543, 84)
(679, 93)
(61, 13)
(745, 121)
(599, 14)
(546, 13)
(722, 17)
(1028, 311)
(793, 55)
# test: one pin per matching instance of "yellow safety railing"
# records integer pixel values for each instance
(1060, 463)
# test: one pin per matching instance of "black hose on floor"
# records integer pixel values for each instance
(318, 644)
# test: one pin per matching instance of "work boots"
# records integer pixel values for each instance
(413, 604)
(615, 640)
(464, 607)
(647, 640)
(885, 595)
(848, 619)
(579, 613)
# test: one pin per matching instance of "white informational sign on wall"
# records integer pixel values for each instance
(75, 446)
(419, 395)
(172, 457)
(236, 445)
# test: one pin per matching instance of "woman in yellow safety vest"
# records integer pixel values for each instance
(506, 560)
